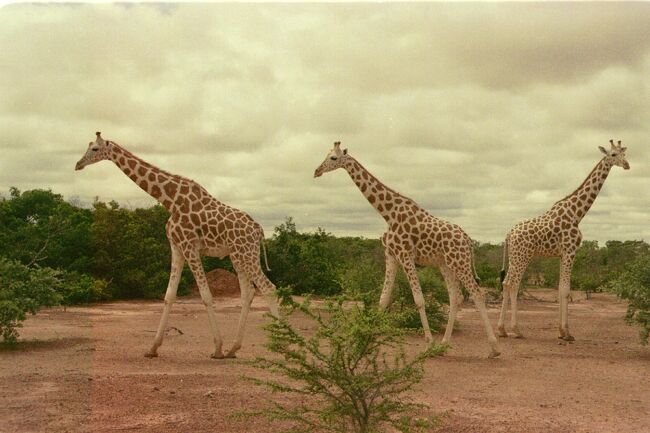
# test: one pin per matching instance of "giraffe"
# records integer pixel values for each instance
(199, 225)
(554, 234)
(414, 236)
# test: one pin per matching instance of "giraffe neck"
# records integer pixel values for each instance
(159, 184)
(382, 198)
(583, 197)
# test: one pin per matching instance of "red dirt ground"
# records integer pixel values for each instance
(83, 370)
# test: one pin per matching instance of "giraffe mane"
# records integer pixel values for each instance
(582, 184)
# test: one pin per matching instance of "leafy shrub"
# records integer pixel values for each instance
(131, 251)
(435, 297)
(351, 375)
(364, 278)
(79, 288)
(633, 284)
(24, 290)
(303, 261)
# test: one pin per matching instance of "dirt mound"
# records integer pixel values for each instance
(223, 284)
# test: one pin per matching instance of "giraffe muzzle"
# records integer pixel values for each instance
(79, 166)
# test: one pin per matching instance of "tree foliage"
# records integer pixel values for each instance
(633, 284)
(351, 375)
(39, 227)
(131, 250)
(24, 290)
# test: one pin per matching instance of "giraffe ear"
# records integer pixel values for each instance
(602, 149)
(345, 151)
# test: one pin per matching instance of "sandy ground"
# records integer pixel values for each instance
(83, 370)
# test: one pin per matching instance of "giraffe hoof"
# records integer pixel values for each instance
(493, 354)
(151, 355)
(231, 354)
(517, 334)
(568, 338)
(502, 333)
(216, 355)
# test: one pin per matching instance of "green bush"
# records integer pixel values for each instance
(351, 375)
(633, 284)
(364, 278)
(304, 261)
(435, 295)
(79, 288)
(24, 290)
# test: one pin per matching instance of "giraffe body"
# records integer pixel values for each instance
(554, 234)
(414, 236)
(198, 225)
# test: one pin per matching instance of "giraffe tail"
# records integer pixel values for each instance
(502, 274)
(266, 260)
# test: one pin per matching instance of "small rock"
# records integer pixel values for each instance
(208, 394)
(155, 388)
(172, 392)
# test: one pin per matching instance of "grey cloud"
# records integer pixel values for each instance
(485, 114)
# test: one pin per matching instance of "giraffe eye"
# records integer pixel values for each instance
(333, 158)
(614, 154)
(95, 149)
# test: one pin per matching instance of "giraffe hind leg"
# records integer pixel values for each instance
(478, 296)
(455, 298)
(247, 294)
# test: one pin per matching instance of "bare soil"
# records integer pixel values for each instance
(83, 370)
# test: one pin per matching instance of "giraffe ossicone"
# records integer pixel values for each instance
(198, 225)
(414, 236)
(554, 234)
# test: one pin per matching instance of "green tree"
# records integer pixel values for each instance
(39, 227)
(303, 261)
(352, 374)
(633, 284)
(132, 252)
(24, 290)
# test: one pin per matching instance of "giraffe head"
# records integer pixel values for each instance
(97, 151)
(334, 159)
(616, 154)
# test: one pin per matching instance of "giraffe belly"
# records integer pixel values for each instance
(220, 251)
(429, 260)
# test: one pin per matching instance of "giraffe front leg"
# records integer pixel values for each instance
(194, 261)
(247, 294)
(408, 264)
(510, 290)
(514, 327)
(170, 296)
(389, 281)
(564, 291)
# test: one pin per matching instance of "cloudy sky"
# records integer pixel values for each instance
(485, 114)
